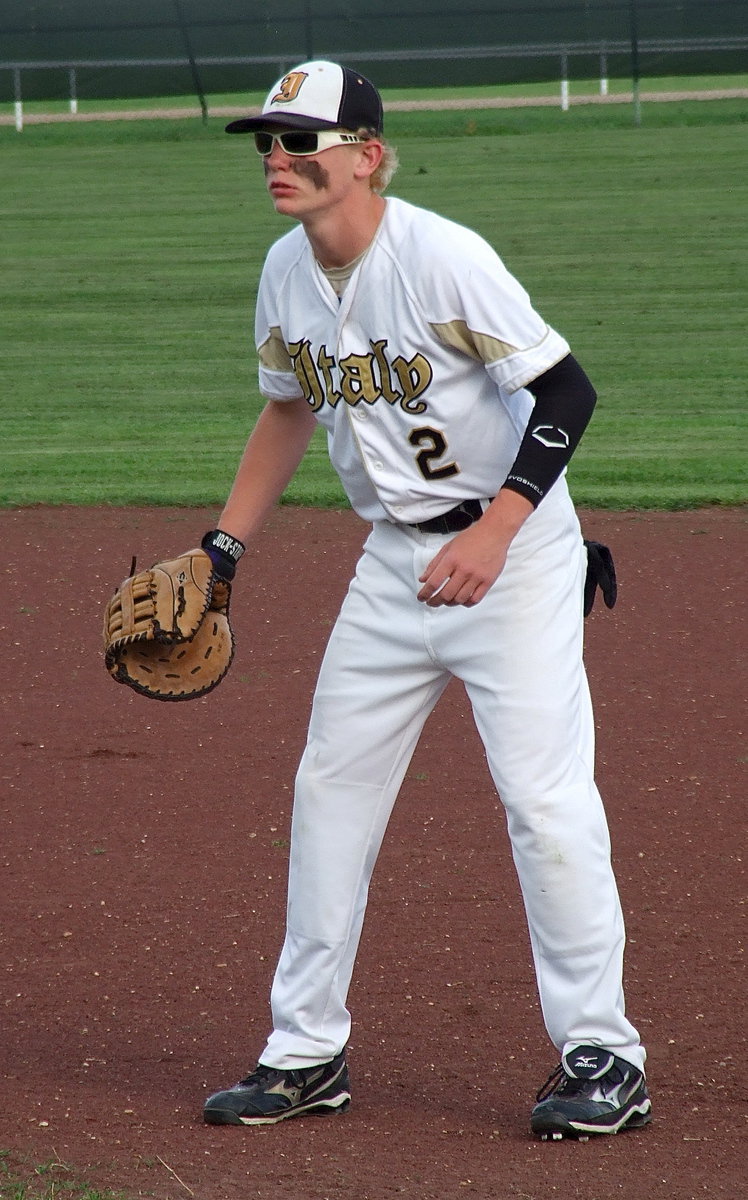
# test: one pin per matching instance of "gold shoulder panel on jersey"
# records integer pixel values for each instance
(274, 353)
(480, 346)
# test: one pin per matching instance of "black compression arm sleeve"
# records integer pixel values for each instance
(564, 400)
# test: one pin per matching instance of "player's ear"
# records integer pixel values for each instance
(368, 158)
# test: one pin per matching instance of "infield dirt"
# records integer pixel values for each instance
(143, 875)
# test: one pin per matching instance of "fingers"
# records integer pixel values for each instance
(448, 591)
(441, 588)
(463, 570)
(435, 579)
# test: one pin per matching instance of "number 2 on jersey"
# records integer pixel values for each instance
(434, 447)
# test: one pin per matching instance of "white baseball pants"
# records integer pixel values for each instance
(519, 653)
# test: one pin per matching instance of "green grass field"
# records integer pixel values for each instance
(131, 253)
(24, 1179)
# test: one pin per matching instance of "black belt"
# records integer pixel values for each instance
(458, 518)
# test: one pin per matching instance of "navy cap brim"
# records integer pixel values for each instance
(278, 121)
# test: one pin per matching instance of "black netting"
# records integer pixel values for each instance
(390, 41)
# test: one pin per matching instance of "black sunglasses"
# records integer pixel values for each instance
(299, 142)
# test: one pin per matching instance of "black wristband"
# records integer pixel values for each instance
(224, 552)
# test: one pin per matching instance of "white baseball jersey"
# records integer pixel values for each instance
(418, 374)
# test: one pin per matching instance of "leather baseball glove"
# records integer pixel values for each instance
(166, 630)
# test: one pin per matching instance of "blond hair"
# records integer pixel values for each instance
(386, 169)
(381, 178)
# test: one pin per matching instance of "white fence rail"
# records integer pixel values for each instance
(603, 51)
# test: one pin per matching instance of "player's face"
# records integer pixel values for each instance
(301, 186)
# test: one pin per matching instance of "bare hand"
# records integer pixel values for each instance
(464, 569)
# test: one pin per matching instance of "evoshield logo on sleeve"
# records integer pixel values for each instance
(551, 436)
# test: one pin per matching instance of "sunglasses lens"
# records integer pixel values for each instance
(294, 141)
(299, 141)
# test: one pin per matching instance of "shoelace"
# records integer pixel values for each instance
(550, 1084)
(261, 1075)
(562, 1084)
(559, 1082)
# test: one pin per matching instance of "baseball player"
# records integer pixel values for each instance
(451, 410)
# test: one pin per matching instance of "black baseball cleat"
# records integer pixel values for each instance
(269, 1095)
(591, 1091)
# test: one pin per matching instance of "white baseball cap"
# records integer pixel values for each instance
(318, 95)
